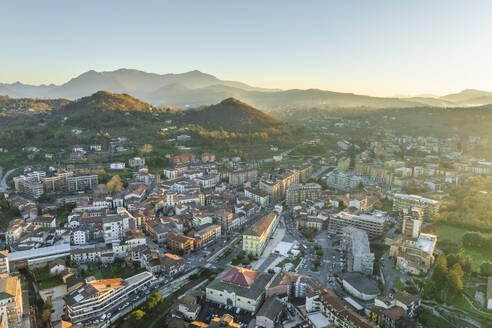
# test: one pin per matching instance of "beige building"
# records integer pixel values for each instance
(407, 202)
(243, 175)
(298, 193)
(256, 238)
(414, 255)
(11, 299)
(239, 287)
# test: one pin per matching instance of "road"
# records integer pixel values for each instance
(3, 179)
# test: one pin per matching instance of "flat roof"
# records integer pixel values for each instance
(319, 320)
(39, 252)
(361, 283)
(426, 242)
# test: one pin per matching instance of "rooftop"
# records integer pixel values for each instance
(361, 283)
(240, 276)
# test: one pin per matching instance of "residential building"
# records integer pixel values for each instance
(373, 224)
(268, 316)
(414, 255)
(208, 181)
(181, 244)
(97, 297)
(4, 262)
(359, 256)
(408, 302)
(226, 220)
(189, 307)
(45, 221)
(255, 238)
(208, 234)
(335, 310)
(171, 264)
(183, 158)
(298, 193)
(239, 287)
(136, 162)
(82, 182)
(277, 188)
(30, 184)
(208, 157)
(343, 180)
(257, 196)
(343, 164)
(11, 300)
(412, 223)
(240, 176)
(407, 202)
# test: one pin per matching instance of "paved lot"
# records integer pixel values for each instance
(209, 309)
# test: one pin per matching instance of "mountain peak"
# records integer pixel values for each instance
(232, 100)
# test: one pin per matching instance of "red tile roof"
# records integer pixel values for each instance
(240, 276)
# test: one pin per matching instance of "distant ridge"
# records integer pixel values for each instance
(195, 88)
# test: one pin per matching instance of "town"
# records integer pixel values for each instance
(296, 241)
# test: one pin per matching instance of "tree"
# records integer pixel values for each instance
(138, 315)
(441, 270)
(114, 185)
(46, 313)
(154, 299)
(467, 265)
(454, 279)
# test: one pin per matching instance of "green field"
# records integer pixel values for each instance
(454, 234)
(451, 233)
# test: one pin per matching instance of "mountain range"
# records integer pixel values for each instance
(195, 88)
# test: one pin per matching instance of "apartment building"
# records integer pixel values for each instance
(208, 181)
(257, 196)
(298, 193)
(58, 182)
(256, 238)
(82, 182)
(359, 256)
(343, 181)
(30, 184)
(277, 188)
(412, 223)
(208, 234)
(335, 311)
(406, 202)
(240, 176)
(98, 296)
(178, 243)
(372, 224)
(4, 262)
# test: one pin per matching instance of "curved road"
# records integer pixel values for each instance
(3, 179)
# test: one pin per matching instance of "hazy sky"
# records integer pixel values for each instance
(372, 47)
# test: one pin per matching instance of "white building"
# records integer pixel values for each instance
(96, 297)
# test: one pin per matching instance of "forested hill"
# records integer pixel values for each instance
(13, 106)
(234, 116)
(107, 101)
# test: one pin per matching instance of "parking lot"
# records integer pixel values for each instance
(209, 310)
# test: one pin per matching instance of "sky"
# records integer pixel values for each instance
(382, 48)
